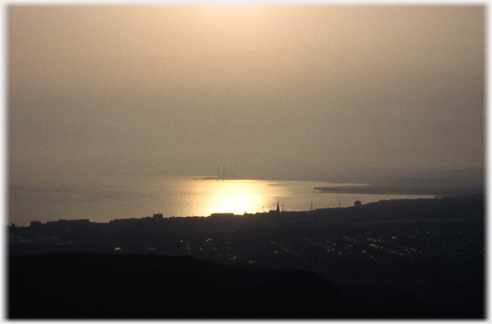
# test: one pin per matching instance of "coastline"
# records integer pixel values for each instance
(396, 190)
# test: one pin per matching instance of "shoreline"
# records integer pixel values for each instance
(394, 190)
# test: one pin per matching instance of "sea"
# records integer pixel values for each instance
(104, 198)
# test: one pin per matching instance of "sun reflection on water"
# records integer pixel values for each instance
(184, 196)
(235, 196)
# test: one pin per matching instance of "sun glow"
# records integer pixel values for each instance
(232, 15)
(235, 196)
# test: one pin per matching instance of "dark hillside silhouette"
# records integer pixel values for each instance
(109, 286)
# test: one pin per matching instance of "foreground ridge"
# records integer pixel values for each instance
(85, 285)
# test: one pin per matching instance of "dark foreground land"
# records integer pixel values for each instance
(418, 258)
(150, 286)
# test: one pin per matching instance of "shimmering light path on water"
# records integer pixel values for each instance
(101, 199)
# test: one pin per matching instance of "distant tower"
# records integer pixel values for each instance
(278, 207)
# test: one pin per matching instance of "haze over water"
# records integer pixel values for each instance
(275, 92)
(269, 90)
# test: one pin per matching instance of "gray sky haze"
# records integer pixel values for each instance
(267, 90)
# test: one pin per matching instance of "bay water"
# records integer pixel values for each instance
(104, 198)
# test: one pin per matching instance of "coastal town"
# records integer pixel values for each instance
(428, 251)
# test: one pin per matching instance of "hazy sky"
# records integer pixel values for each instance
(265, 90)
